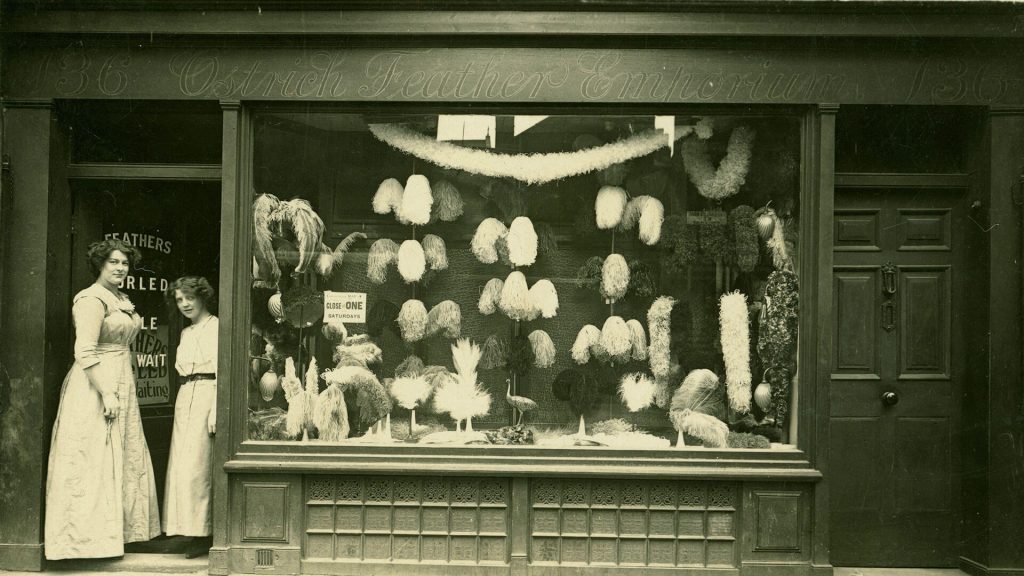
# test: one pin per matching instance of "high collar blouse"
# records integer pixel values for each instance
(197, 350)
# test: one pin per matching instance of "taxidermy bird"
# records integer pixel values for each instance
(521, 403)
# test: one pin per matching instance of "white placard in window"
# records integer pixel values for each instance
(347, 307)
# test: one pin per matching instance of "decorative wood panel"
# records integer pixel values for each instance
(922, 229)
(856, 230)
(630, 523)
(924, 309)
(778, 521)
(922, 464)
(264, 512)
(856, 308)
(397, 519)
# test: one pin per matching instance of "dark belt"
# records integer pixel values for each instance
(200, 376)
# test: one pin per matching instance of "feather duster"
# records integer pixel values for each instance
(544, 298)
(485, 238)
(543, 349)
(448, 204)
(615, 338)
(462, 397)
(388, 196)
(294, 393)
(637, 391)
(307, 227)
(267, 270)
(434, 252)
(334, 331)
(637, 339)
(411, 261)
(614, 277)
(652, 214)
(382, 253)
(494, 353)
(331, 259)
(589, 274)
(515, 297)
(522, 242)
(711, 431)
(382, 315)
(412, 320)
(588, 336)
(410, 392)
(416, 201)
(411, 367)
(745, 234)
(735, 339)
(631, 215)
(445, 317)
(659, 325)
(777, 246)
(331, 415)
(490, 296)
(609, 206)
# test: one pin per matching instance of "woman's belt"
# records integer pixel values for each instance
(200, 376)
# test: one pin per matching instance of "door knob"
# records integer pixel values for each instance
(890, 398)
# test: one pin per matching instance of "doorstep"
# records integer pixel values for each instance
(897, 572)
(135, 564)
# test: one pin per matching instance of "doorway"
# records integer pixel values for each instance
(897, 375)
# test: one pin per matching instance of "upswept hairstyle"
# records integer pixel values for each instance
(99, 252)
(193, 286)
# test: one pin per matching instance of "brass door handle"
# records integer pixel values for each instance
(890, 398)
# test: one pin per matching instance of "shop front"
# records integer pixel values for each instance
(614, 291)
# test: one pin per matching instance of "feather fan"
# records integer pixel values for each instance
(445, 317)
(652, 214)
(331, 259)
(307, 227)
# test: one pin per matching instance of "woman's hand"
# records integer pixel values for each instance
(110, 406)
(211, 424)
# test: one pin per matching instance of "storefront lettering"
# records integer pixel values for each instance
(951, 81)
(203, 75)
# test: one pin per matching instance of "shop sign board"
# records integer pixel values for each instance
(345, 307)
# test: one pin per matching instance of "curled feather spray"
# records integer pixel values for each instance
(416, 201)
(544, 298)
(659, 325)
(331, 259)
(543, 349)
(382, 253)
(615, 338)
(587, 337)
(305, 225)
(698, 407)
(515, 297)
(637, 391)
(448, 203)
(412, 320)
(637, 339)
(267, 270)
(522, 242)
(412, 262)
(735, 339)
(614, 277)
(434, 252)
(388, 196)
(445, 317)
(485, 239)
(490, 296)
(609, 206)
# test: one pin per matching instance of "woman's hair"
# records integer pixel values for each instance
(100, 251)
(196, 286)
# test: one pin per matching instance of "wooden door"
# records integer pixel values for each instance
(896, 377)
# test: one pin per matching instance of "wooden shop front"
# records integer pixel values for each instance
(884, 149)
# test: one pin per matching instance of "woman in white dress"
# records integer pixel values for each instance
(100, 488)
(187, 501)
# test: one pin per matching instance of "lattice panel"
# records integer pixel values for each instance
(633, 523)
(394, 519)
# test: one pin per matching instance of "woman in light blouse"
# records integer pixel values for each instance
(187, 499)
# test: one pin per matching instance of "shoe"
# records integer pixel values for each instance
(198, 547)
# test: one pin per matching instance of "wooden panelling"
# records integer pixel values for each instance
(922, 229)
(265, 512)
(778, 521)
(922, 464)
(924, 311)
(855, 487)
(856, 230)
(853, 332)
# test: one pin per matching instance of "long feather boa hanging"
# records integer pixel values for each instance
(388, 197)
(412, 320)
(522, 242)
(490, 296)
(614, 278)
(609, 207)
(485, 239)
(659, 326)
(544, 298)
(637, 391)
(416, 201)
(725, 181)
(735, 338)
(412, 262)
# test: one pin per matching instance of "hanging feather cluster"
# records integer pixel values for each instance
(388, 197)
(698, 408)
(515, 297)
(295, 394)
(649, 213)
(434, 252)
(357, 350)
(615, 338)
(522, 242)
(543, 349)
(485, 239)
(490, 296)
(445, 318)
(448, 203)
(588, 337)
(609, 207)
(416, 201)
(267, 272)
(412, 320)
(614, 278)
(745, 234)
(637, 339)
(412, 262)
(544, 298)
(659, 326)
(494, 353)
(776, 342)
(735, 339)
(637, 391)
(462, 397)
(382, 253)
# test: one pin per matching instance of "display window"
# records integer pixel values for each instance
(563, 280)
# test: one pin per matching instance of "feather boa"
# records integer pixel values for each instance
(416, 201)
(490, 296)
(659, 325)
(735, 339)
(614, 278)
(412, 320)
(522, 242)
(544, 298)
(637, 391)
(543, 349)
(609, 206)
(487, 234)
(388, 197)
(515, 297)
(434, 252)
(588, 336)
(528, 168)
(732, 171)
(382, 253)
(448, 203)
(412, 262)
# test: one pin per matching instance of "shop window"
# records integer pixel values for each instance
(144, 132)
(909, 139)
(562, 280)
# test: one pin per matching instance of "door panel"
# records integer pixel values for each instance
(894, 465)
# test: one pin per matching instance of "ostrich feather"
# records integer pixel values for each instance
(485, 238)
(435, 253)
(609, 206)
(462, 397)
(448, 203)
(515, 297)
(735, 339)
(267, 270)
(522, 242)
(777, 245)
(411, 261)
(614, 277)
(411, 367)
(652, 214)
(349, 377)
(307, 227)
(373, 402)
(331, 415)
(615, 338)
(659, 325)
(331, 259)
(388, 196)
(544, 297)
(700, 392)
(412, 320)
(631, 215)
(494, 353)
(294, 393)
(585, 339)
(637, 391)
(543, 349)
(416, 201)
(711, 431)
(490, 296)
(410, 392)
(382, 253)
(357, 353)
(445, 317)
(637, 339)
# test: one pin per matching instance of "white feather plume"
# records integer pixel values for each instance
(614, 277)
(615, 338)
(410, 392)
(388, 196)
(515, 297)
(638, 339)
(637, 391)
(543, 349)
(652, 214)
(522, 242)
(462, 397)
(588, 336)
(416, 201)
(609, 206)
(485, 240)
(490, 296)
(412, 262)
(735, 339)
(544, 297)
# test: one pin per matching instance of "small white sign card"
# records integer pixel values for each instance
(347, 307)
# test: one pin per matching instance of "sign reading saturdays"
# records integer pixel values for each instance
(345, 307)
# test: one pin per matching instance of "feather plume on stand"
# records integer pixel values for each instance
(410, 392)
(698, 409)
(637, 391)
(462, 397)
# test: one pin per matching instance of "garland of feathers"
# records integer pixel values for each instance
(725, 181)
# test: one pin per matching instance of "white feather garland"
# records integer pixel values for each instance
(434, 252)
(515, 297)
(588, 336)
(485, 238)
(543, 349)
(388, 196)
(544, 297)
(412, 320)
(652, 214)
(490, 296)
(382, 253)
(412, 261)
(735, 339)
(609, 206)
(522, 242)
(615, 338)
(410, 392)
(416, 201)
(659, 325)
(614, 277)
(638, 339)
(637, 391)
